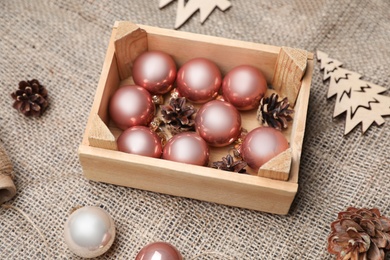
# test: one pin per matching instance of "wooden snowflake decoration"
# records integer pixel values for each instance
(360, 100)
(186, 8)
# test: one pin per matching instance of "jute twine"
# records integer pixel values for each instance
(8, 189)
(7, 186)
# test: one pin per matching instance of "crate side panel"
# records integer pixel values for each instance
(299, 124)
(173, 181)
(109, 77)
(226, 53)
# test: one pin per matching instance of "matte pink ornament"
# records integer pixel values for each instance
(199, 80)
(187, 147)
(159, 251)
(130, 106)
(155, 71)
(261, 145)
(218, 123)
(244, 86)
(140, 140)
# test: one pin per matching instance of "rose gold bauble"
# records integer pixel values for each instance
(261, 145)
(244, 86)
(155, 71)
(187, 147)
(218, 123)
(159, 251)
(140, 140)
(131, 106)
(199, 80)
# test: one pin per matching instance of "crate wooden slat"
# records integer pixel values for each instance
(102, 162)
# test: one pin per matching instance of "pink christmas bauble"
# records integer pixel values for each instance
(261, 145)
(243, 87)
(187, 147)
(130, 106)
(199, 80)
(140, 140)
(155, 71)
(218, 123)
(159, 251)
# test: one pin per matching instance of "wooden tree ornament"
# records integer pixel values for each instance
(186, 9)
(360, 100)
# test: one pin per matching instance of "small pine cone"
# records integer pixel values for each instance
(360, 234)
(177, 116)
(274, 113)
(228, 164)
(30, 98)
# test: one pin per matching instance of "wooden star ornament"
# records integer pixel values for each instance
(361, 101)
(186, 8)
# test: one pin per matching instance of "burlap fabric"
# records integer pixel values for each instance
(63, 43)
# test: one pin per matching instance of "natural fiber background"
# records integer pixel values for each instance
(63, 43)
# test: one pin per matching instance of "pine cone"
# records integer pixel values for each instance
(30, 98)
(360, 234)
(178, 116)
(228, 164)
(274, 113)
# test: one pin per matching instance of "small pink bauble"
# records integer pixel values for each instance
(155, 71)
(261, 145)
(218, 123)
(131, 106)
(159, 251)
(199, 80)
(187, 147)
(140, 140)
(243, 87)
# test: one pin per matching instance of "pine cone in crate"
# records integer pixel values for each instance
(274, 113)
(360, 234)
(228, 164)
(30, 98)
(178, 116)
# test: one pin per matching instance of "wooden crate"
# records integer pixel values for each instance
(288, 70)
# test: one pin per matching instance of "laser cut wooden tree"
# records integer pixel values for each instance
(186, 9)
(360, 100)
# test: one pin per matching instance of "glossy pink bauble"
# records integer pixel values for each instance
(140, 140)
(243, 87)
(131, 106)
(187, 147)
(155, 71)
(218, 123)
(159, 251)
(199, 80)
(261, 145)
